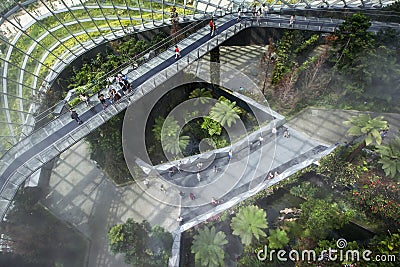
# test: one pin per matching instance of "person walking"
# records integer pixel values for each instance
(146, 183)
(215, 169)
(265, 10)
(198, 177)
(239, 15)
(84, 98)
(260, 139)
(177, 52)
(178, 166)
(286, 133)
(254, 11)
(259, 13)
(162, 188)
(214, 29)
(75, 116)
(291, 21)
(103, 102)
(230, 154)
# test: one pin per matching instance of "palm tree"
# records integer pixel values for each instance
(225, 112)
(277, 239)
(201, 95)
(363, 125)
(213, 127)
(390, 158)
(208, 247)
(249, 222)
(165, 127)
(174, 144)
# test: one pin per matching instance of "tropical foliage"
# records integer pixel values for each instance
(249, 223)
(320, 217)
(277, 239)
(200, 96)
(225, 112)
(208, 247)
(167, 131)
(141, 244)
(213, 127)
(353, 39)
(390, 158)
(363, 125)
(369, 129)
(379, 197)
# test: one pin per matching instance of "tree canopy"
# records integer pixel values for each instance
(319, 217)
(208, 247)
(390, 158)
(249, 223)
(141, 244)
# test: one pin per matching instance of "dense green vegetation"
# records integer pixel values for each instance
(350, 69)
(168, 139)
(208, 247)
(141, 244)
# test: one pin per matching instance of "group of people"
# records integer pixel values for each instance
(118, 87)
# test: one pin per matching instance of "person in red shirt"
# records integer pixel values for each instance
(213, 27)
(177, 52)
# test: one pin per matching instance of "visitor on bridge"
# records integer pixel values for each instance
(100, 96)
(259, 13)
(254, 11)
(115, 95)
(265, 9)
(213, 27)
(75, 116)
(239, 14)
(84, 99)
(177, 52)
(291, 21)
(215, 202)
(230, 154)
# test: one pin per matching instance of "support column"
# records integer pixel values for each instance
(214, 66)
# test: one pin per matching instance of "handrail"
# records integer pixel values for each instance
(17, 176)
(155, 47)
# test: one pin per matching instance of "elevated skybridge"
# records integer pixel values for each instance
(46, 143)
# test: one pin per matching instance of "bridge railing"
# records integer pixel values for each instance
(40, 158)
(52, 123)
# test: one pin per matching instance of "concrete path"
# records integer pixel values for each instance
(326, 125)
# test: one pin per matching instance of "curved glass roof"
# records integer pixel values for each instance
(39, 38)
